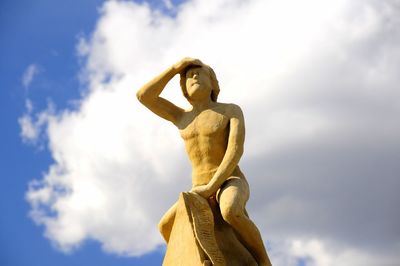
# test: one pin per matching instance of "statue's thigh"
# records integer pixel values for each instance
(233, 194)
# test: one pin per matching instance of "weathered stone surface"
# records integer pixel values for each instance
(200, 236)
(183, 248)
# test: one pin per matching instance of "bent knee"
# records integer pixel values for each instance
(164, 225)
(232, 215)
(161, 226)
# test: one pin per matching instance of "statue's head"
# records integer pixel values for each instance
(199, 79)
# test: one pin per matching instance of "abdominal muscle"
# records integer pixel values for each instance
(205, 154)
(206, 159)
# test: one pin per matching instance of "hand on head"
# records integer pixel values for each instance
(181, 65)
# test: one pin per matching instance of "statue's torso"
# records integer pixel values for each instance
(206, 137)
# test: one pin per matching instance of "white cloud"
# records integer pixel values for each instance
(168, 4)
(318, 82)
(28, 130)
(314, 252)
(32, 126)
(30, 72)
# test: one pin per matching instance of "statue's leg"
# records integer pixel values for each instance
(232, 200)
(167, 221)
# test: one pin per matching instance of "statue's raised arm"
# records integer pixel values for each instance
(149, 94)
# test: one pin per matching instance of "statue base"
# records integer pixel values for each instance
(201, 237)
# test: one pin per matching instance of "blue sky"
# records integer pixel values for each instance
(321, 160)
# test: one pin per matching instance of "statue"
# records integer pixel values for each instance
(213, 133)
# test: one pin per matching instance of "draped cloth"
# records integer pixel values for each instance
(200, 236)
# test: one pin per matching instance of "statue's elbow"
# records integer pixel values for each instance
(139, 96)
(238, 150)
(142, 97)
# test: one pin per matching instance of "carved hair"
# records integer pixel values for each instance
(213, 79)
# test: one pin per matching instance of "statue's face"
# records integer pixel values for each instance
(198, 83)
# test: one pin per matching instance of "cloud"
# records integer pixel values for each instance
(32, 125)
(313, 252)
(168, 4)
(30, 72)
(318, 83)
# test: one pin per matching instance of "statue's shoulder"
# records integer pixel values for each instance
(231, 106)
(230, 109)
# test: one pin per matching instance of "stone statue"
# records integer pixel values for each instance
(213, 133)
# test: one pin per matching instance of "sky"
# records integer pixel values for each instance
(88, 171)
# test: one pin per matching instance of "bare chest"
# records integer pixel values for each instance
(207, 123)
